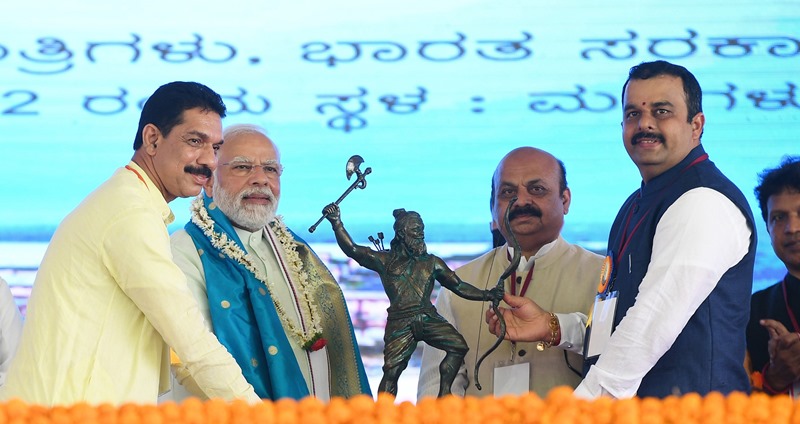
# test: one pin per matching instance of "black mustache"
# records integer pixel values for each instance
(199, 170)
(527, 210)
(638, 136)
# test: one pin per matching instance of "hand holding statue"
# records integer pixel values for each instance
(525, 320)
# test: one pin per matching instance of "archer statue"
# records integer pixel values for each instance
(408, 273)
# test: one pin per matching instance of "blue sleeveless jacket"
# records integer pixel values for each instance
(708, 355)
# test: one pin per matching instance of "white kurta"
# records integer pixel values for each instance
(699, 237)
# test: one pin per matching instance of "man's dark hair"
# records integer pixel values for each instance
(772, 181)
(165, 107)
(562, 184)
(691, 88)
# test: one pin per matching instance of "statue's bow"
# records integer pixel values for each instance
(496, 302)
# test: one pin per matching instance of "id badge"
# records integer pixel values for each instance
(601, 322)
(512, 379)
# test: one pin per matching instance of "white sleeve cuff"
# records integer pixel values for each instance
(573, 330)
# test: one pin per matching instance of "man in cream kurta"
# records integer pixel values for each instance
(563, 280)
(561, 277)
(106, 293)
(107, 298)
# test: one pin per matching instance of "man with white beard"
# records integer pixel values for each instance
(264, 293)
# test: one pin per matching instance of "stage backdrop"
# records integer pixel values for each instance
(430, 93)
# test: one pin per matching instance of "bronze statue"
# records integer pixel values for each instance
(408, 273)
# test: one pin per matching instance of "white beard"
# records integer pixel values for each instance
(247, 216)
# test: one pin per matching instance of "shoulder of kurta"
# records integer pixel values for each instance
(181, 238)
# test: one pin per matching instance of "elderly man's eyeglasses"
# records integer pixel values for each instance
(244, 169)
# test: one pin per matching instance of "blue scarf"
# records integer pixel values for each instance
(249, 327)
(244, 320)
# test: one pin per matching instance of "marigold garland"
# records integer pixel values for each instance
(560, 406)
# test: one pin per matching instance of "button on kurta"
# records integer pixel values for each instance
(273, 350)
(225, 304)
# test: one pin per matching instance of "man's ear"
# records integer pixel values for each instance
(151, 135)
(566, 200)
(698, 122)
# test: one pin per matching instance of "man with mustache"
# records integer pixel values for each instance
(558, 276)
(773, 334)
(108, 300)
(408, 274)
(675, 303)
(262, 290)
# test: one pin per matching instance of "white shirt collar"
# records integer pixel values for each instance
(526, 264)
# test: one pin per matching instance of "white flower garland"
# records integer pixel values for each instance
(308, 308)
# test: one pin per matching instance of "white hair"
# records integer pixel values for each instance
(241, 129)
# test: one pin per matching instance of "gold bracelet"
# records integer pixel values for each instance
(555, 333)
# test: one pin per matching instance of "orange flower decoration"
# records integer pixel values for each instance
(560, 406)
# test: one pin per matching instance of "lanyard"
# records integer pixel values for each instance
(624, 241)
(788, 309)
(517, 280)
(137, 174)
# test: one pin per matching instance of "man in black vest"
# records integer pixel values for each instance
(773, 334)
(681, 254)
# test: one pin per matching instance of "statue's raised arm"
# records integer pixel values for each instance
(365, 256)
